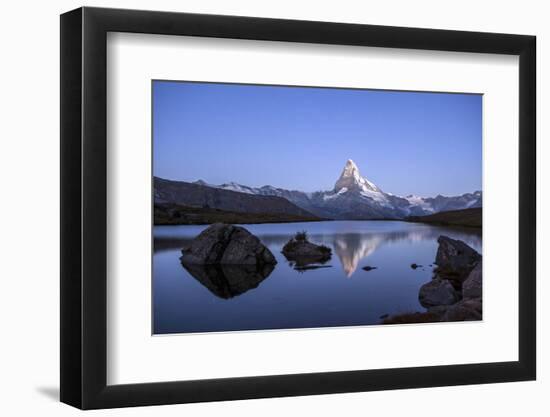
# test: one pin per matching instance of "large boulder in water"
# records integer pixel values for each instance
(437, 292)
(226, 244)
(455, 258)
(472, 286)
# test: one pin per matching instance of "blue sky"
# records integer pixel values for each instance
(300, 138)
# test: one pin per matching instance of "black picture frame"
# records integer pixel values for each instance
(84, 207)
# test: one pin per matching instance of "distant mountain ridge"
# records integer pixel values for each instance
(168, 193)
(356, 198)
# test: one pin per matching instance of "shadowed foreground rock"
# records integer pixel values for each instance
(226, 244)
(228, 281)
(465, 310)
(471, 288)
(437, 292)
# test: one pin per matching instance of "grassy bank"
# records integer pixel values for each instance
(183, 215)
(466, 218)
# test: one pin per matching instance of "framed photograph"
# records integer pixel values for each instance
(258, 208)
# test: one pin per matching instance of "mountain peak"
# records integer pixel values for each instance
(350, 168)
(352, 180)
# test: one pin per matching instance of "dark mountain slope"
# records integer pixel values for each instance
(187, 196)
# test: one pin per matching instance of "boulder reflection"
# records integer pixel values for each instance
(228, 281)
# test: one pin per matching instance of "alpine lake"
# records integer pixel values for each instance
(336, 293)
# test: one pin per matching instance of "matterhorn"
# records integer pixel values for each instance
(351, 179)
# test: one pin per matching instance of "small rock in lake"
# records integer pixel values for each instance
(300, 250)
(383, 316)
(414, 266)
(369, 268)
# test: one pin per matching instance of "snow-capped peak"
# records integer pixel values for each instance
(352, 180)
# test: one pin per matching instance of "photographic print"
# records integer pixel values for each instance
(290, 207)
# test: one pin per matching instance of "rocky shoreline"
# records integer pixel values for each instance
(454, 293)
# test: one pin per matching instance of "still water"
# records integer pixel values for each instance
(337, 293)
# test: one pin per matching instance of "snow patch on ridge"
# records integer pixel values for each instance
(233, 186)
(418, 201)
(376, 196)
(331, 196)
